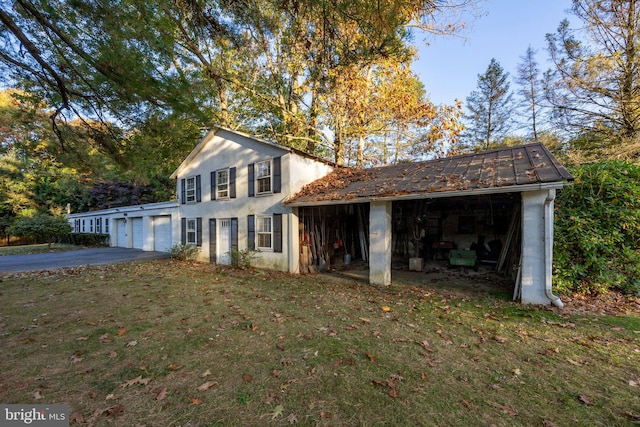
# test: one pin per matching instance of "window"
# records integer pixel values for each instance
(83, 225)
(263, 177)
(190, 189)
(98, 225)
(106, 225)
(191, 231)
(222, 184)
(264, 232)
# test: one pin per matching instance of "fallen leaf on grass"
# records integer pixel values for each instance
(195, 401)
(499, 339)
(121, 332)
(547, 423)
(386, 308)
(371, 357)
(633, 383)
(247, 378)
(37, 395)
(277, 412)
(137, 380)
(632, 415)
(206, 386)
(132, 343)
(206, 373)
(174, 367)
(584, 399)
(162, 394)
(105, 338)
(292, 418)
(113, 355)
(506, 409)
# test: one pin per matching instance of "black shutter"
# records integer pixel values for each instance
(232, 183)
(277, 171)
(277, 232)
(183, 231)
(234, 241)
(183, 184)
(251, 244)
(198, 189)
(212, 241)
(252, 183)
(199, 231)
(213, 185)
(234, 234)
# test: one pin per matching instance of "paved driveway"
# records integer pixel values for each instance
(49, 261)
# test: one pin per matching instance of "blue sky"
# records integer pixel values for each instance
(449, 66)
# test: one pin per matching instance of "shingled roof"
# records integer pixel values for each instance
(519, 168)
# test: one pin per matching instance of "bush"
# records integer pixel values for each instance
(185, 252)
(84, 239)
(597, 244)
(243, 258)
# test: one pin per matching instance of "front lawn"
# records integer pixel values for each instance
(166, 343)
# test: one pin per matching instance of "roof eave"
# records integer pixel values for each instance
(435, 195)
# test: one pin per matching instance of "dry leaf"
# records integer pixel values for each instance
(277, 412)
(37, 395)
(162, 394)
(371, 357)
(547, 423)
(132, 343)
(584, 399)
(506, 409)
(105, 338)
(174, 367)
(247, 378)
(499, 339)
(386, 308)
(206, 386)
(292, 418)
(121, 332)
(206, 373)
(195, 401)
(113, 355)
(137, 380)
(393, 393)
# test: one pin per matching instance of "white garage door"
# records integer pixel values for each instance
(162, 233)
(121, 227)
(138, 237)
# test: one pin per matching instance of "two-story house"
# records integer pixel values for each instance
(230, 191)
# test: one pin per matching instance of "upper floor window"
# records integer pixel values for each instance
(263, 177)
(222, 184)
(191, 189)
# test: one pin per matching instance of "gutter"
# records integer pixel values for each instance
(548, 248)
(551, 186)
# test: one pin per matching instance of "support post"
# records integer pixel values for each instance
(380, 243)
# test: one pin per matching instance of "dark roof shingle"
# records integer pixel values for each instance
(500, 168)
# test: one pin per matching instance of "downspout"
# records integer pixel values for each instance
(548, 247)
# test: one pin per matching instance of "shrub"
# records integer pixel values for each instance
(243, 258)
(185, 252)
(84, 239)
(597, 244)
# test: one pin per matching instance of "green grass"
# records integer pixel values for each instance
(36, 249)
(166, 343)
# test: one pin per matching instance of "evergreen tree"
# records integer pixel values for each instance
(531, 93)
(490, 108)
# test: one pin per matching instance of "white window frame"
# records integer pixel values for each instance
(106, 225)
(264, 175)
(190, 189)
(98, 225)
(222, 187)
(264, 230)
(191, 231)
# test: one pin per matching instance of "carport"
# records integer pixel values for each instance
(497, 205)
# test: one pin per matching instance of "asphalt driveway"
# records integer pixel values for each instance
(96, 256)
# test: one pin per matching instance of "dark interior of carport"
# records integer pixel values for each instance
(426, 233)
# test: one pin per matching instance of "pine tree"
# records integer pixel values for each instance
(490, 108)
(531, 93)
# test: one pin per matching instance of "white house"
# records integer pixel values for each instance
(237, 192)
(230, 190)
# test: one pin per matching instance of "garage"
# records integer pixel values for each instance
(138, 233)
(489, 210)
(162, 233)
(121, 229)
